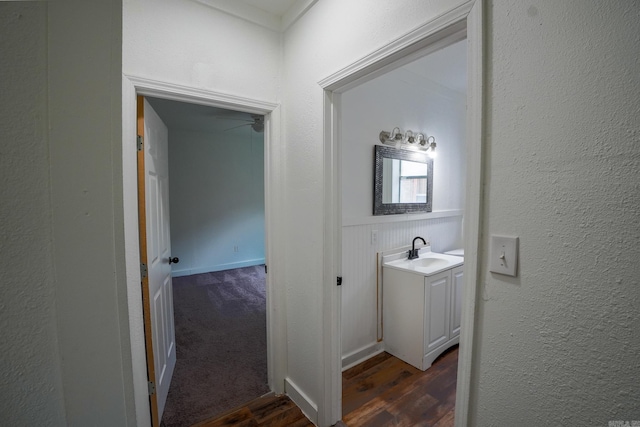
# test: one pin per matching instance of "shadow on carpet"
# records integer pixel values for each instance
(221, 344)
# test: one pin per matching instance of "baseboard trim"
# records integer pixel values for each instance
(307, 406)
(217, 267)
(360, 355)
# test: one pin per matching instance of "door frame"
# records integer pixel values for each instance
(463, 21)
(275, 298)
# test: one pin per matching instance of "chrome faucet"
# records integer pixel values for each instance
(413, 253)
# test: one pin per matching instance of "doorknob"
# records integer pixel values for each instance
(174, 260)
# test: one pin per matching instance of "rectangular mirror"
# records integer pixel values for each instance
(403, 181)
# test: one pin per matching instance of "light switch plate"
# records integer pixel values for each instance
(504, 255)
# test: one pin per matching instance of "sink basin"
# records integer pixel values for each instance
(427, 264)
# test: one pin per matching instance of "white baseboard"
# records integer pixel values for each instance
(360, 355)
(307, 406)
(217, 267)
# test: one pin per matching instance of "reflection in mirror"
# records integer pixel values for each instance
(403, 181)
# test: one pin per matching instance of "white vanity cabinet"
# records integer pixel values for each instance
(421, 314)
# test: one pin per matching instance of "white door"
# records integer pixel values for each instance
(158, 254)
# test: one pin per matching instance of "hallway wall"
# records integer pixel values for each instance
(191, 44)
(559, 343)
(31, 389)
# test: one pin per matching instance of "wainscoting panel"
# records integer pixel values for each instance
(361, 320)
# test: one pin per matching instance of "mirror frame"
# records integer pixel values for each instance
(380, 208)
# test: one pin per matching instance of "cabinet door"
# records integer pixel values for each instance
(437, 297)
(457, 283)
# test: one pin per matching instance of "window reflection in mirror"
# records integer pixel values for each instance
(403, 181)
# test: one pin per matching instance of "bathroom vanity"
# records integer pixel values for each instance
(422, 305)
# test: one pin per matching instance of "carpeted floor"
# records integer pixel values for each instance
(220, 342)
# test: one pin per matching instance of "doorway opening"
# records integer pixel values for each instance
(427, 96)
(275, 321)
(217, 233)
(463, 22)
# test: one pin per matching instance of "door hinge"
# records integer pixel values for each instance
(143, 270)
(339, 281)
(140, 142)
(152, 388)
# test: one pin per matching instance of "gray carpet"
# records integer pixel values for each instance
(220, 342)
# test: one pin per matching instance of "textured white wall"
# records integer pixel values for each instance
(559, 344)
(30, 381)
(216, 186)
(188, 43)
(398, 98)
(332, 35)
(85, 137)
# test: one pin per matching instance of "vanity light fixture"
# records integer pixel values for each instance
(430, 146)
(408, 140)
(394, 137)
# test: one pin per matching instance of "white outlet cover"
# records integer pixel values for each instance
(504, 255)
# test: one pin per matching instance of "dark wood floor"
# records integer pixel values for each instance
(385, 391)
(266, 411)
(382, 391)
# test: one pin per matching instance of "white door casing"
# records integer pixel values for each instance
(159, 251)
(133, 87)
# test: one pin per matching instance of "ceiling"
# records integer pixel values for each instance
(201, 118)
(447, 67)
(277, 15)
(275, 7)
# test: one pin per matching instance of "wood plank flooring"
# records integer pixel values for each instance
(266, 411)
(385, 391)
(382, 391)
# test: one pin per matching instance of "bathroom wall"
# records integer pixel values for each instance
(407, 100)
(216, 199)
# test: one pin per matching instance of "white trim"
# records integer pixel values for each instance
(276, 320)
(367, 220)
(274, 183)
(132, 256)
(462, 21)
(308, 407)
(331, 397)
(176, 92)
(362, 354)
(402, 50)
(473, 209)
(217, 267)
